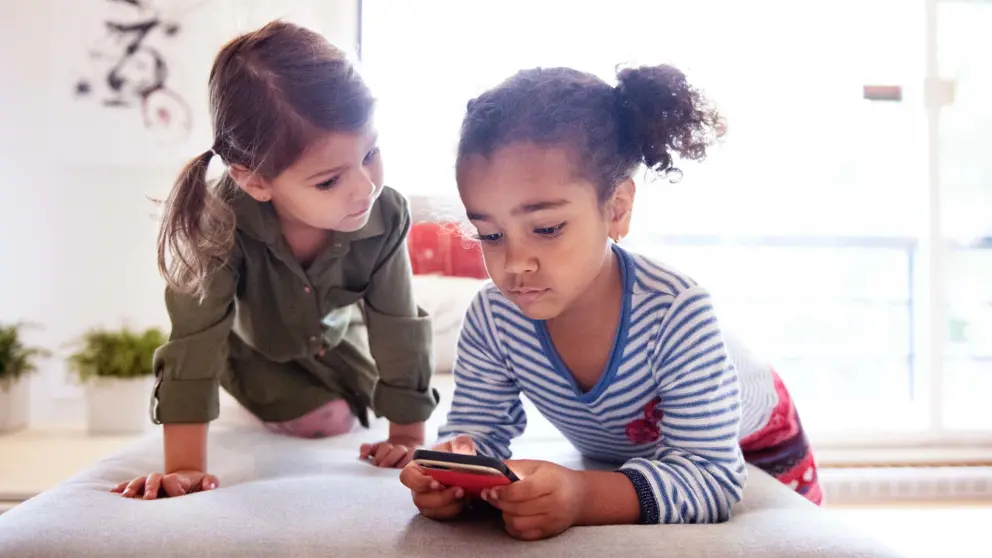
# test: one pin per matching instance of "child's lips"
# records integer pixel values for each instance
(528, 295)
(360, 213)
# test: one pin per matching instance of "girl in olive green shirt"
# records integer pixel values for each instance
(266, 267)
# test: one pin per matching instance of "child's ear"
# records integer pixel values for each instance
(621, 207)
(253, 184)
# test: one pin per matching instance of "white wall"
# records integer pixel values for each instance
(77, 231)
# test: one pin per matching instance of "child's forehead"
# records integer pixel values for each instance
(520, 176)
(330, 149)
(525, 166)
(324, 143)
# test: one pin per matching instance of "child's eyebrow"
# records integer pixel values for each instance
(532, 207)
(324, 172)
(373, 140)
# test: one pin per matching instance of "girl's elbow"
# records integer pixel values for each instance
(738, 480)
(733, 492)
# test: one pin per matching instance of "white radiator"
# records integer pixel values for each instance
(894, 484)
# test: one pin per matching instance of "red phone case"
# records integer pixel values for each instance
(471, 483)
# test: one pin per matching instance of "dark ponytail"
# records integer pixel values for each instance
(662, 114)
(650, 116)
(197, 229)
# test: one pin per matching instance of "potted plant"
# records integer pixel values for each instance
(116, 368)
(17, 362)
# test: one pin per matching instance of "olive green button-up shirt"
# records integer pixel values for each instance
(270, 329)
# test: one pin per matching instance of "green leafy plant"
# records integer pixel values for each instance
(16, 359)
(116, 354)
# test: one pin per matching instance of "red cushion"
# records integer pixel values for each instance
(442, 249)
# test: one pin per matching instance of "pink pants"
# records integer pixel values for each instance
(330, 419)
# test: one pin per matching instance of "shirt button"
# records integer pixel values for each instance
(313, 338)
(306, 289)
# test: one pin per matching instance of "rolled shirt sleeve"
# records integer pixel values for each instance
(400, 335)
(188, 367)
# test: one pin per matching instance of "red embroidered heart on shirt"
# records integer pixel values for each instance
(642, 431)
(652, 411)
(646, 430)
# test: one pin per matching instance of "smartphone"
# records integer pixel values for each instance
(472, 473)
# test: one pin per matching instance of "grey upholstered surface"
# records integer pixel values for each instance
(286, 497)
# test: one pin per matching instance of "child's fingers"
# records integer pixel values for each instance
(366, 450)
(394, 457)
(529, 535)
(459, 444)
(381, 452)
(436, 499)
(529, 488)
(385, 456)
(120, 487)
(535, 507)
(134, 487)
(172, 485)
(525, 527)
(525, 467)
(456, 503)
(152, 483)
(463, 444)
(406, 459)
(209, 482)
(414, 478)
(447, 512)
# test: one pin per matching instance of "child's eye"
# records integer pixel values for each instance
(370, 156)
(328, 184)
(489, 238)
(550, 231)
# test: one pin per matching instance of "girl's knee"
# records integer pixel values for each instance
(337, 418)
(332, 419)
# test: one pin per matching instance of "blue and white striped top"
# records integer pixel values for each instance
(668, 346)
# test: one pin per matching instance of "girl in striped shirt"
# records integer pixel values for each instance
(624, 355)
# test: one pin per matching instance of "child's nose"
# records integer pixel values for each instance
(518, 259)
(366, 187)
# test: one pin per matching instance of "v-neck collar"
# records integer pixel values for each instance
(619, 339)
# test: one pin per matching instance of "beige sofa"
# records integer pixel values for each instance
(290, 497)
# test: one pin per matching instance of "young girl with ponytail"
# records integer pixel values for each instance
(265, 267)
(623, 354)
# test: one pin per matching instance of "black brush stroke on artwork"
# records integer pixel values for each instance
(149, 89)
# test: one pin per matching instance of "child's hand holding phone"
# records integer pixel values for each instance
(432, 498)
(545, 503)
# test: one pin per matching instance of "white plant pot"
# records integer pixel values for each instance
(14, 402)
(118, 406)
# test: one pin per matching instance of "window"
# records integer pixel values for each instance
(813, 223)
(965, 174)
(968, 355)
